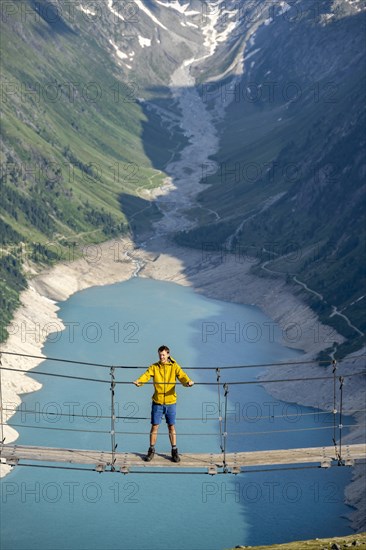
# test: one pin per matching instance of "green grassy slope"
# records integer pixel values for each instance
(352, 541)
(71, 148)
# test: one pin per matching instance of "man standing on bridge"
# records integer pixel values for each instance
(164, 372)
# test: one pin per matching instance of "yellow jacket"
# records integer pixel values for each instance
(165, 375)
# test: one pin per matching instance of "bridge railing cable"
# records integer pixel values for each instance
(240, 382)
(297, 415)
(223, 367)
(187, 434)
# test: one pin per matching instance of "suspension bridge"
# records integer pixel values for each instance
(222, 462)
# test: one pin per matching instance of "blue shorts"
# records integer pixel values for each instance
(157, 412)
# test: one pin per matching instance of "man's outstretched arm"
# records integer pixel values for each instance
(184, 378)
(144, 378)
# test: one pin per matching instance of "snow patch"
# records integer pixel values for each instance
(87, 11)
(212, 36)
(223, 36)
(189, 24)
(284, 8)
(119, 53)
(251, 54)
(144, 41)
(143, 8)
(181, 8)
(115, 12)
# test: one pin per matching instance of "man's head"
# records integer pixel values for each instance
(164, 353)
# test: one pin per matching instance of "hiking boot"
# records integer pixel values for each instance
(175, 455)
(150, 454)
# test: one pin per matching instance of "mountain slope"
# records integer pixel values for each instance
(70, 142)
(77, 141)
(289, 188)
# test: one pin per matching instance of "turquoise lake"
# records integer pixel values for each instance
(124, 324)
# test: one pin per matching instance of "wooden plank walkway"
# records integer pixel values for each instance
(235, 462)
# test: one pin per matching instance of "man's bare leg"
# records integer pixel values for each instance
(153, 434)
(172, 435)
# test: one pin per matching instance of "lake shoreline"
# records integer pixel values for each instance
(223, 278)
